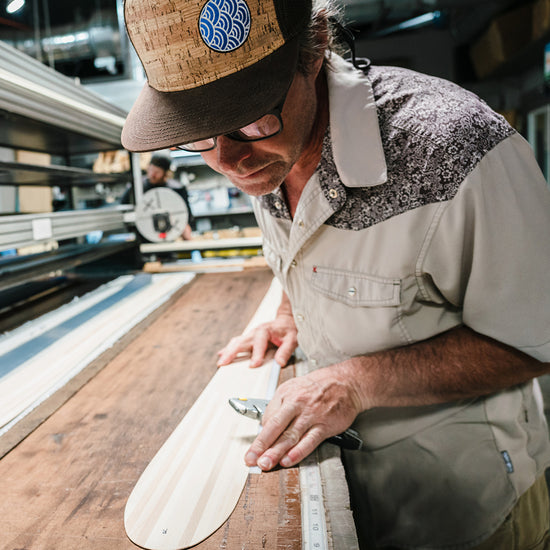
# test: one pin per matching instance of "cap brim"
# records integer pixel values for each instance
(159, 120)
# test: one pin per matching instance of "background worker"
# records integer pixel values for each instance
(407, 223)
(157, 175)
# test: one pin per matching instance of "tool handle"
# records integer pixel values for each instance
(349, 439)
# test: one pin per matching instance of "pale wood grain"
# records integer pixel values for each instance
(211, 244)
(37, 378)
(194, 482)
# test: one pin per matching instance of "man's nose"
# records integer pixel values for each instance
(231, 152)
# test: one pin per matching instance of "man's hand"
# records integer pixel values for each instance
(281, 333)
(458, 364)
(303, 413)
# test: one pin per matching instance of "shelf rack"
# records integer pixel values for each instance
(44, 111)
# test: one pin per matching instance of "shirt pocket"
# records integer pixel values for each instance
(356, 289)
(357, 313)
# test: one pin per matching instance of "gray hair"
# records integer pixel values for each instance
(326, 14)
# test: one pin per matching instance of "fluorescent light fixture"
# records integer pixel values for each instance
(414, 23)
(15, 5)
(420, 21)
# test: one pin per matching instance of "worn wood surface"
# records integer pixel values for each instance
(65, 486)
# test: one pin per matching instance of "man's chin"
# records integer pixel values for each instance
(255, 189)
(259, 183)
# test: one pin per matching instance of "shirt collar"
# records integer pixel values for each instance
(356, 142)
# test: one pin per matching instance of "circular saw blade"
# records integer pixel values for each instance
(161, 215)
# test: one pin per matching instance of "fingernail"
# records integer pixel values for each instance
(286, 462)
(251, 459)
(265, 463)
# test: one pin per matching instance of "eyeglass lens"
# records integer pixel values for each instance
(267, 126)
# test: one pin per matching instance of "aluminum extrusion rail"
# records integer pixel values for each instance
(21, 230)
(21, 269)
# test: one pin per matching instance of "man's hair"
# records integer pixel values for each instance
(326, 14)
(161, 161)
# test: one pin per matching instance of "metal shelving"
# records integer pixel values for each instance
(16, 173)
(22, 230)
(43, 111)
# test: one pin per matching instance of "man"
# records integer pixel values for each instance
(158, 171)
(408, 225)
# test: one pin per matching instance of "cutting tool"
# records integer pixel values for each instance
(255, 408)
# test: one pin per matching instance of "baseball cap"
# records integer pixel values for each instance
(212, 66)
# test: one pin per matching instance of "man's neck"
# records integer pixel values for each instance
(302, 171)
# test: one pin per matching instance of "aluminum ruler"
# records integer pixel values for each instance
(314, 524)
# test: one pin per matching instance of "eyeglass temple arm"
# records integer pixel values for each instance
(346, 35)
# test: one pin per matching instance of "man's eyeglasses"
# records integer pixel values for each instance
(265, 127)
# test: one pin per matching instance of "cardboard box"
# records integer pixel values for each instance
(34, 199)
(541, 18)
(504, 38)
(511, 117)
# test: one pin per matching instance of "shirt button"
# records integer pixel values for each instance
(301, 223)
(352, 291)
(313, 362)
(299, 317)
(293, 263)
(333, 194)
(278, 205)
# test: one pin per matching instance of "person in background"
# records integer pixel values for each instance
(408, 224)
(157, 175)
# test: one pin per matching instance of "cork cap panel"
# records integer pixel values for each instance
(175, 56)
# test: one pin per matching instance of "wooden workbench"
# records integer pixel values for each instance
(64, 487)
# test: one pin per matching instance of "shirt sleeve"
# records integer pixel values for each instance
(489, 253)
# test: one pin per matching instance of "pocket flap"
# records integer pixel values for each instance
(356, 289)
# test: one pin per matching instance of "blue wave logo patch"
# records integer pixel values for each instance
(225, 24)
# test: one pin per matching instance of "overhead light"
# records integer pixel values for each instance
(414, 23)
(15, 5)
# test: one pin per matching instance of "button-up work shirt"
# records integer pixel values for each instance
(427, 212)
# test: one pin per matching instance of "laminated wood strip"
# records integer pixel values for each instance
(194, 482)
(39, 359)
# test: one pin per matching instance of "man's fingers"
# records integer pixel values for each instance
(290, 448)
(309, 442)
(259, 347)
(272, 430)
(237, 345)
(277, 444)
(285, 351)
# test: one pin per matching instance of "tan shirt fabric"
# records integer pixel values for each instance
(427, 212)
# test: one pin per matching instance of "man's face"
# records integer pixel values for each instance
(259, 167)
(155, 174)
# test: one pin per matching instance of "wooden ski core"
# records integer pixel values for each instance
(194, 481)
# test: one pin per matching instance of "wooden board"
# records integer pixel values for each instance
(56, 347)
(66, 485)
(197, 244)
(194, 482)
(206, 266)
